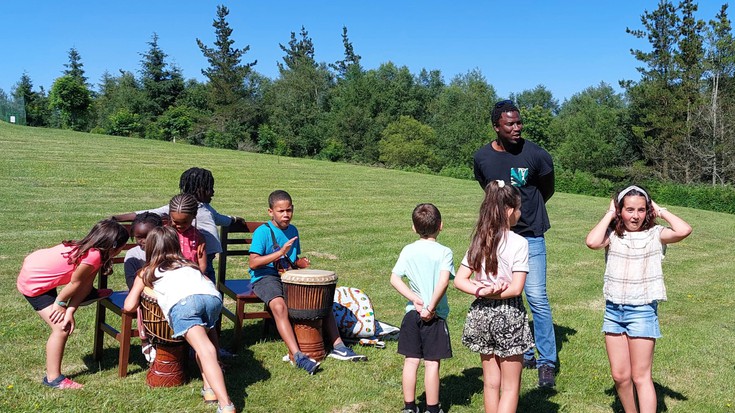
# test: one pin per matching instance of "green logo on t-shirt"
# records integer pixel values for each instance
(518, 176)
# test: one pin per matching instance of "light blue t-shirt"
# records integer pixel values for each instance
(421, 262)
(262, 244)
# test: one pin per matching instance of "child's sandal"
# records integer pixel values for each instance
(208, 395)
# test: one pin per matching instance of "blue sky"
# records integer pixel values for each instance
(565, 45)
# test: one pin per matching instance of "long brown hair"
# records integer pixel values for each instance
(105, 236)
(618, 225)
(492, 226)
(163, 253)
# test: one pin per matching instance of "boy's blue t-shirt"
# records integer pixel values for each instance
(262, 244)
(421, 262)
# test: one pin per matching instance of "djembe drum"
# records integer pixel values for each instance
(309, 297)
(168, 368)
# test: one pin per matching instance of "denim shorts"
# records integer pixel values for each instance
(633, 320)
(194, 310)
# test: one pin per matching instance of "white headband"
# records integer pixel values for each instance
(630, 188)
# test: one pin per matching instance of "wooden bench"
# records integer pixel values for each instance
(114, 303)
(236, 240)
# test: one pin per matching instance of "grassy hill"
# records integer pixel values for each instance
(354, 220)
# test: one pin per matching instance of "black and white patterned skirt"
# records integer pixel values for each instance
(497, 327)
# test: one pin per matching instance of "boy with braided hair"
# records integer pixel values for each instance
(198, 182)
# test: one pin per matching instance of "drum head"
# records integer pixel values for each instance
(309, 277)
(149, 294)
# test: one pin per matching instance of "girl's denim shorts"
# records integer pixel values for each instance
(195, 310)
(633, 320)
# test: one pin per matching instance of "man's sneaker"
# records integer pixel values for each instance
(96, 295)
(62, 383)
(406, 410)
(305, 363)
(529, 363)
(345, 353)
(440, 411)
(546, 376)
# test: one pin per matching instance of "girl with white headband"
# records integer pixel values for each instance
(633, 285)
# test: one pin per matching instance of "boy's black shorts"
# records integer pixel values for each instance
(268, 287)
(428, 340)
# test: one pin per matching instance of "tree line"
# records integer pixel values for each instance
(674, 123)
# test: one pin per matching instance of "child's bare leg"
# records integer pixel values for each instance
(641, 362)
(618, 354)
(283, 324)
(510, 383)
(431, 381)
(410, 368)
(54, 345)
(207, 358)
(490, 382)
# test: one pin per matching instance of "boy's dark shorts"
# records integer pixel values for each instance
(268, 287)
(428, 340)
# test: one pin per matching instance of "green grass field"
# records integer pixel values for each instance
(354, 220)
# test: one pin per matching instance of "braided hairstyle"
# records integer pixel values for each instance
(198, 182)
(184, 203)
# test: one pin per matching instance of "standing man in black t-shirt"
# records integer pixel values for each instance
(528, 167)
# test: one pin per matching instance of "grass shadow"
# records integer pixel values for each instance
(458, 389)
(562, 334)
(110, 357)
(662, 392)
(537, 400)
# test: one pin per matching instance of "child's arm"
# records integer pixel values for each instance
(256, 260)
(73, 293)
(514, 289)
(599, 236)
(679, 228)
(439, 290)
(202, 255)
(133, 298)
(401, 287)
(124, 217)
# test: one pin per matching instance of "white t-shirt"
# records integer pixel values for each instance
(172, 286)
(512, 257)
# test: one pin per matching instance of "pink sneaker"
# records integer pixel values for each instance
(62, 383)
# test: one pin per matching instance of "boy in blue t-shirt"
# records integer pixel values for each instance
(428, 266)
(265, 261)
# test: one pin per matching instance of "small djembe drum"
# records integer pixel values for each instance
(168, 368)
(309, 297)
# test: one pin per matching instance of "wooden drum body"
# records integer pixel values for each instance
(168, 368)
(309, 297)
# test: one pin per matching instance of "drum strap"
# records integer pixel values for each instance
(279, 264)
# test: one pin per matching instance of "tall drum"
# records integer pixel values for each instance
(168, 368)
(309, 297)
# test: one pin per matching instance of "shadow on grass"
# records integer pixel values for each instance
(458, 389)
(562, 334)
(537, 400)
(662, 392)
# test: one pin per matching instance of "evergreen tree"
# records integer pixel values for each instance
(162, 84)
(351, 60)
(232, 89)
(75, 67)
(36, 104)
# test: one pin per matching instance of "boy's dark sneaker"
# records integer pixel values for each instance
(305, 363)
(96, 295)
(529, 363)
(546, 376)
(346, 354)
(407, 410)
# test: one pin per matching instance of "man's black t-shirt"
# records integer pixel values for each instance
(523, 170)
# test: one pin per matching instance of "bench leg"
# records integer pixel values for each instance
(240, 316)
(99, 334)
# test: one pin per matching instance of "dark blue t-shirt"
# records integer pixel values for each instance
(522, 170)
